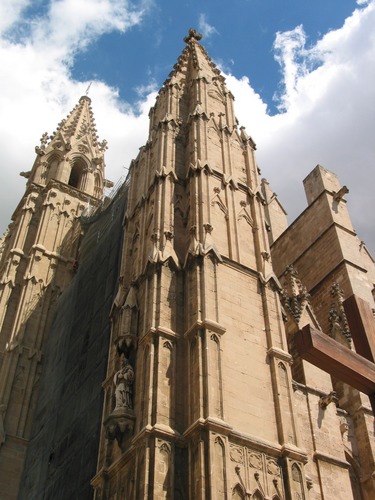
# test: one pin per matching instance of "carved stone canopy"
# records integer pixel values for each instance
(119, 425)
(126, 345)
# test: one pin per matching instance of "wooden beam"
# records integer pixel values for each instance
(339, 361)
(362, 326)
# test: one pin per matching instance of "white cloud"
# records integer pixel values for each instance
(149, 88)
(72, 24)
(10, 11)
(294, 60)
(206, 28)
(37, 90)
(328, 118)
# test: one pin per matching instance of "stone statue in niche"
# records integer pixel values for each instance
(123, 381)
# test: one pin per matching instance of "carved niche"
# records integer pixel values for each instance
(120, 423)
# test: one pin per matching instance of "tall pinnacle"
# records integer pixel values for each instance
(72, 154)
(195, 87)
(195, 56)
(78, 127)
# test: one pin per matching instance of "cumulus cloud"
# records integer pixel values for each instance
(37, 89)
(327, 103)
(10, 11)
(71, 26)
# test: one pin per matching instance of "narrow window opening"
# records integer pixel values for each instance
(75, 175)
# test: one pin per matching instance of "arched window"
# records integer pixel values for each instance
(53, 167)
(238, 493)
(97, 188)
(76, 174)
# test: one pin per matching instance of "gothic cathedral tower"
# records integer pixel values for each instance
(206, 395)
(38, 261)
(198, 394)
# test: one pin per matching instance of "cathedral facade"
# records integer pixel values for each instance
(179, 340)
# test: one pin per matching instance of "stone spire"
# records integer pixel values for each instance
(72, 154)
(206, 93)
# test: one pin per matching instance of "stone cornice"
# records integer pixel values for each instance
(275, 352)
(72, 191)
(206, 324)
(324, 457)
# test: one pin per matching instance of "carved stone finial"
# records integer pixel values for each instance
(44, 140)
(294, 296)
(40, 150)
(337, 316)
(103, 146)
(192, 34)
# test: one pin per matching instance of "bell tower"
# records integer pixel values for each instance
(198, 395)
(39, 259)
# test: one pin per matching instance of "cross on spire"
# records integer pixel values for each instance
(88, 89)
(192, 34)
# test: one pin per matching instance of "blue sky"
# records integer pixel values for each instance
(239, 34)
(302, 74)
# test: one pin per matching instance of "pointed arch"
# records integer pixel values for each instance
(257, 495)
(78, 166)
(216, 92)
(145, 397)
(282, 366)
(221, 483)
(298, 480)
(98, 185)
(238, 492)
(164, 460)
(165, 448)
(216, 398)
(354, 474)
(216, 200)
(194, 385)
(168, 345)
(244, 214)
(53, 165)
(215, 339)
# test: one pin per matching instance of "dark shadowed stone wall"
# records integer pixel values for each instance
(62, 455)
